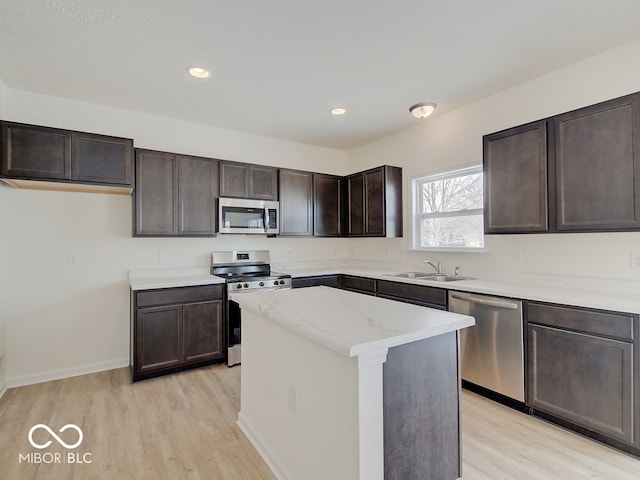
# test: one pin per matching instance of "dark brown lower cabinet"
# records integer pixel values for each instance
(176, 329)
(358, 284)
(417, 294)
(315, 281)
(421, 397)
(582, 371)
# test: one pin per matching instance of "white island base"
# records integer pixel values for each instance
(339, 385)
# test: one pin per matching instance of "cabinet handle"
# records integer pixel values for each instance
(486, 301)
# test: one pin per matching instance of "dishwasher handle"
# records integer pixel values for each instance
(490, 302)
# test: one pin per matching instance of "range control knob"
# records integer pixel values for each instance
(246, 285)
(261, 284)
(275, 282)
(239, 285)
(281, 282)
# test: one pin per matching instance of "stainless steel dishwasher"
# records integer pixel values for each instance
(492, 353)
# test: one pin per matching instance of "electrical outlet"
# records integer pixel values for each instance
(163, 257)
(517, 257)
(635, 261)
(73, 259)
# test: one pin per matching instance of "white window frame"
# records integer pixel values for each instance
(417, 217)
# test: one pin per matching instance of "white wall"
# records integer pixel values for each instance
(3, 273)
(454, 139)
(63, 320)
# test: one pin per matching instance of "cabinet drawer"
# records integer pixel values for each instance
(609, 324)
(165, 296)
(358, 284)
(413, 293)
(327, 280)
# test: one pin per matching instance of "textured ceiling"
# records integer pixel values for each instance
(278, 66)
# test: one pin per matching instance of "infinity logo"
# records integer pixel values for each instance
(58, 439)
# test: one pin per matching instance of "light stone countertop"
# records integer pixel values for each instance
(350, 323)
(169, 278)
(618, 296)
(560, 290)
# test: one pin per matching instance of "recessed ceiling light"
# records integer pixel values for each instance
(422, 110)
(198, 72)
(338, 111)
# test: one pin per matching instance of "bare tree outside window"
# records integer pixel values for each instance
(448, 211)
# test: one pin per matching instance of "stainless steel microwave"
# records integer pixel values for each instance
(240, 215)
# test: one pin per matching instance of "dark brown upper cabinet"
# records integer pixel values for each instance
(597, 154)
(515, 179)
(374, 203)
(244, 180)
(31, 152)
(296, 203)
(575, 172)
(175, 195)
(328, 208)
(310, 204)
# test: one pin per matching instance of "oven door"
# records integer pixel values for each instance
(238, 215)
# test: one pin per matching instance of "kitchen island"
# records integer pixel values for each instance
(341, 385)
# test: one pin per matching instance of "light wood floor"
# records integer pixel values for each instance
(183, 427)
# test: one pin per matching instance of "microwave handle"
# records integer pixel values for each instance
(266, 219)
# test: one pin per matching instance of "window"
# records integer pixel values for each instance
(448, 210)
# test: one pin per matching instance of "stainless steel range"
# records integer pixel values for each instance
(244, 272)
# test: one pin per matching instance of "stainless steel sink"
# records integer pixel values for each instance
(443, 278)
(434, 277)
(408, 274)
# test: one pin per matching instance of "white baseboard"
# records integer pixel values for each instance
(23, 380)
(3, 388)
(277, 468)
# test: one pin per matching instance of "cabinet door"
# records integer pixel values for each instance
(158, 334)
(156, 194)
(101, 159)
(598, 166)
(263, 182)
(29, 151)
(584, 379)
(515, 176)
(355, 205)
(234, 179)
(392, 201)
(198, 190)
(296, 203)
(374, 203)
(203, 334)
(327, 206)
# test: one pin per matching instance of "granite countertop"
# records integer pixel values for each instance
(351, 323)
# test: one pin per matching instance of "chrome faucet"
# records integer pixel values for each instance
(437, 266)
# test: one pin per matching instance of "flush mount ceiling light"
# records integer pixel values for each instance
(422, 110)
(198, 72)
(338, 111)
